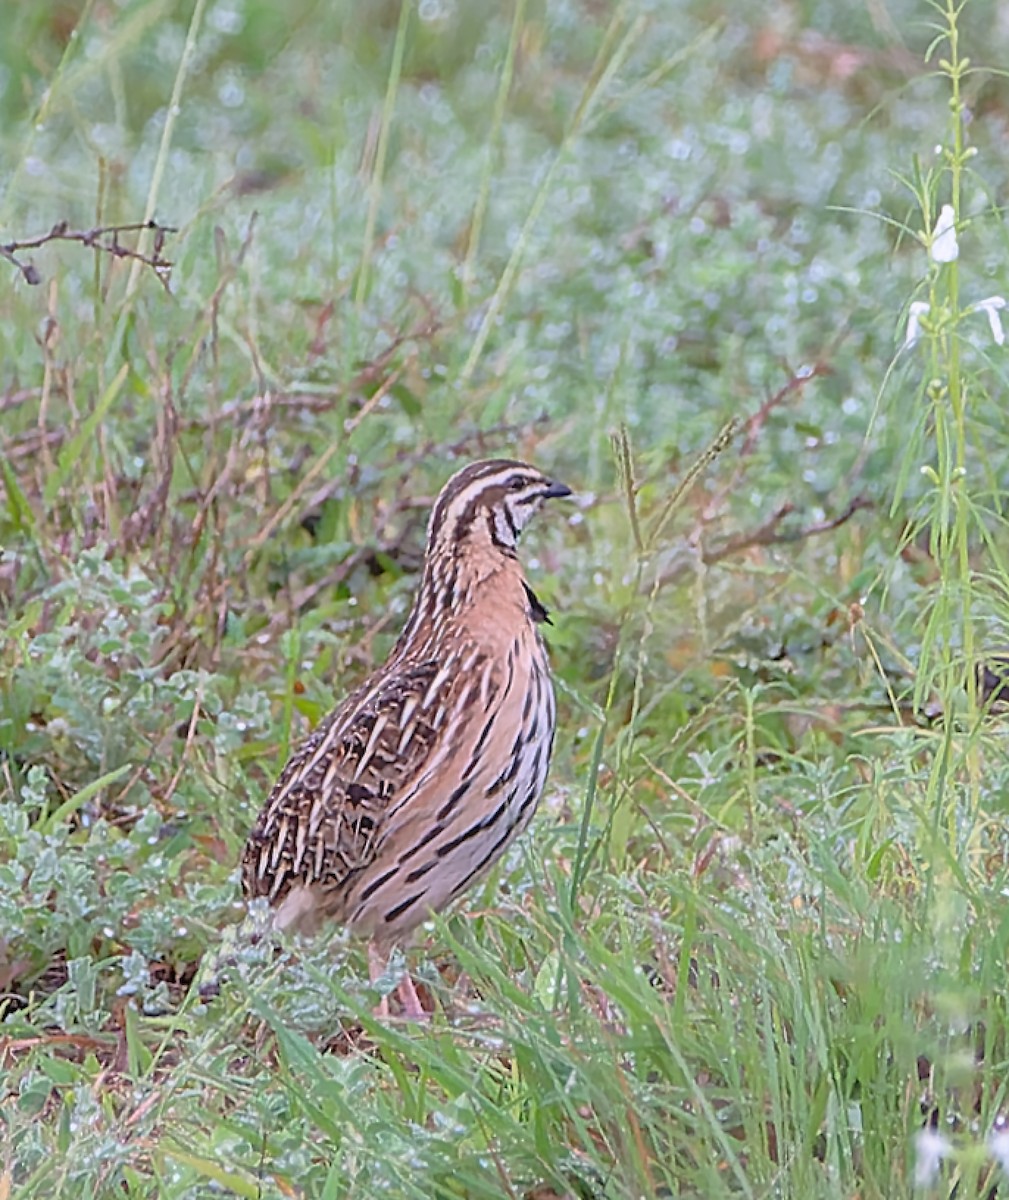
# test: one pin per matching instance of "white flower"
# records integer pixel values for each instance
(943, 247)
(991, 306)
(998, 1144)
(930, 1149)
(916, 310)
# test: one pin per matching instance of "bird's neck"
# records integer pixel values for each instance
(453, 583)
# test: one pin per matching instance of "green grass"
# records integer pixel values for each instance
(755, 943)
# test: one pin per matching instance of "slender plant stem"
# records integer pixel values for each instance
(381, 152)
(613, 53)
(172, 115)
(490, 159)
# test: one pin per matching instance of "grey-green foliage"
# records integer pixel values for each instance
(756, 939)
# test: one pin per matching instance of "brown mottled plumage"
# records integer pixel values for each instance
(415, 785)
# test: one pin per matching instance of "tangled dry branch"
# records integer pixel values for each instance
(104, 238)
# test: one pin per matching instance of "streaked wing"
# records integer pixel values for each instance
(321, 824)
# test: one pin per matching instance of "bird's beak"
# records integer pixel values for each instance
(555, 490)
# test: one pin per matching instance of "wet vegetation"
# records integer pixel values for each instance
(269, 273)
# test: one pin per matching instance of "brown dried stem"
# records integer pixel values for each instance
(103, 237)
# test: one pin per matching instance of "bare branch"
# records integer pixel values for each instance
(794, 384)
(103, 237)
(770, 533)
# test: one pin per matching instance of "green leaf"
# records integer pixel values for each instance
(79, 799)
(17, 502)
(71, 453)
(231, 1181)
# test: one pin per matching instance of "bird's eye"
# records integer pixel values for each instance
(516, 483)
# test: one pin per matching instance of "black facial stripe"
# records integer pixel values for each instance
(510, 520)
(495, 535)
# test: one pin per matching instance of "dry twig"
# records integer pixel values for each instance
(104, 238)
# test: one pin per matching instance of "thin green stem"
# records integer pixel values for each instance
(51, 99)
(497, 120)
(172, 114)
(612, 55)
(381, 152)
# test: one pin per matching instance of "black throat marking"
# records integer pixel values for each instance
(537, 609)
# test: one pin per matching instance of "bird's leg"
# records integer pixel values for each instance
(376, 969)
(413, 1010)
(378, 965)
